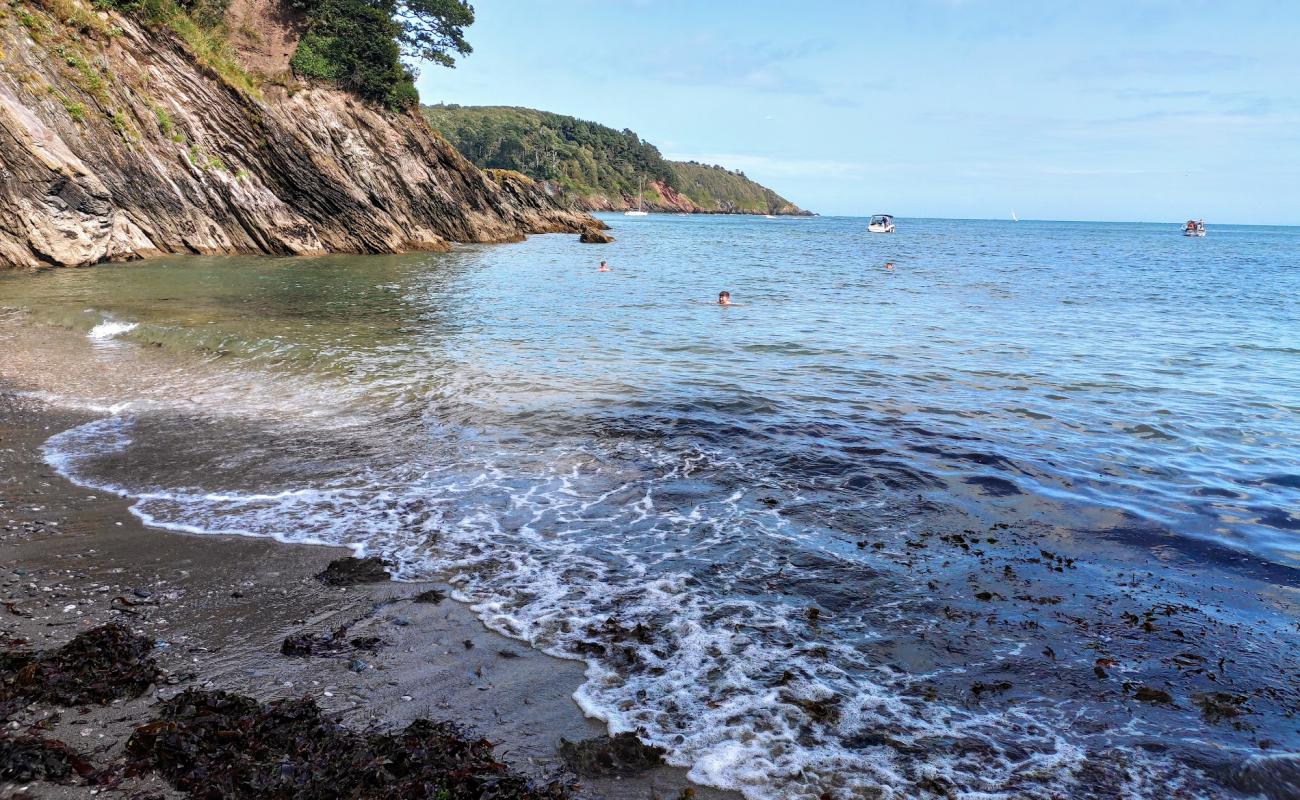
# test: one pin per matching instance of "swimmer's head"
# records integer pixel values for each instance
(724, 298)
(889, 265)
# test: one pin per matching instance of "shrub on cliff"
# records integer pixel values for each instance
(360, 44)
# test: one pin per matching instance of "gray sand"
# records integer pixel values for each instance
(71, 559)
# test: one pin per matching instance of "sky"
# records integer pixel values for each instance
(1136, 110)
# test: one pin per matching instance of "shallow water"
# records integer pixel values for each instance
(927, 530)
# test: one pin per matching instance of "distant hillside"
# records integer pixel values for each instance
(593, 167)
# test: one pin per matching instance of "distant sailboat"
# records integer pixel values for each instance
(1014, 218)
(640, 211)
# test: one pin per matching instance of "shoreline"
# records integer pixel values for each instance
(220, 607)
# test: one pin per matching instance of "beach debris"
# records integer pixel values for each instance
(34, 758)
(594, 236)
(97, 666)
(353, 571)
(302, 645)
(217, 744)
(430, 596)
(622, 755)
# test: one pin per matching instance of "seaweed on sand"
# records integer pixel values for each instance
(216, 744)
(331, 644)
(623, 755)
(352, 571)
(32, 758)
(97, 666)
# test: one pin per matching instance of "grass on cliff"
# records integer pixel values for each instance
(201, 25)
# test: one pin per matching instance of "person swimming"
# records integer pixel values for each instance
(724, 298)
(889, 266)
(603, 267)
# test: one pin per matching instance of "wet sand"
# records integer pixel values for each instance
(220, 607)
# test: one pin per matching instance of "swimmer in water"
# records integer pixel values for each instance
(603, 267)
(889, 266)
(724, 298)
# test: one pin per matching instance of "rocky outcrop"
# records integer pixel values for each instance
(115, 143)
(594, 236)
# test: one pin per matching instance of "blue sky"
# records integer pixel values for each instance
(1136, 110)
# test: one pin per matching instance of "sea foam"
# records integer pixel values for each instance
(110, 329)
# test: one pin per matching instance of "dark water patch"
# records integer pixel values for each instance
(1214, 491)
(992, 485)
(1144, 535)
(1289, 481)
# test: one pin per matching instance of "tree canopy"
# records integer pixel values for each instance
(361, 44)
(586, 160)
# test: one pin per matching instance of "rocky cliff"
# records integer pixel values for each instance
(116, 143)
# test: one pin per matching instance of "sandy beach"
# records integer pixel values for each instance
(220, 608)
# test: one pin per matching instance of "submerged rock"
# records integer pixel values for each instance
(622, 755)
(352, 571)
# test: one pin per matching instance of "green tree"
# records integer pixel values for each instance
(360, 44)
(433, 30)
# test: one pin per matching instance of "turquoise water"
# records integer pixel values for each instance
(798, 539)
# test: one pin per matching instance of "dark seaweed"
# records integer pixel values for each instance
(352, 571)
(623, 755)
(97, 666)
(332, 644)
(216, 744)
(31, 758)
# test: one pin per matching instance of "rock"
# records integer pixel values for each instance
(623, 755)
(594, 236)
(432, 596)
(352, 571)
(187, 163)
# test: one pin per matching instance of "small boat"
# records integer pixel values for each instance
(640, 210)
(1194, 227)
(1014, 218)
(880, 223)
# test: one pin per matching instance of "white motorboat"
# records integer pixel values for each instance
(880, 223)
(1194, 227)
(639, 211)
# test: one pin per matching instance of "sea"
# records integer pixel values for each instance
(1017, 518)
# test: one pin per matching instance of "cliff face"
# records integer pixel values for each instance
(115, 143)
